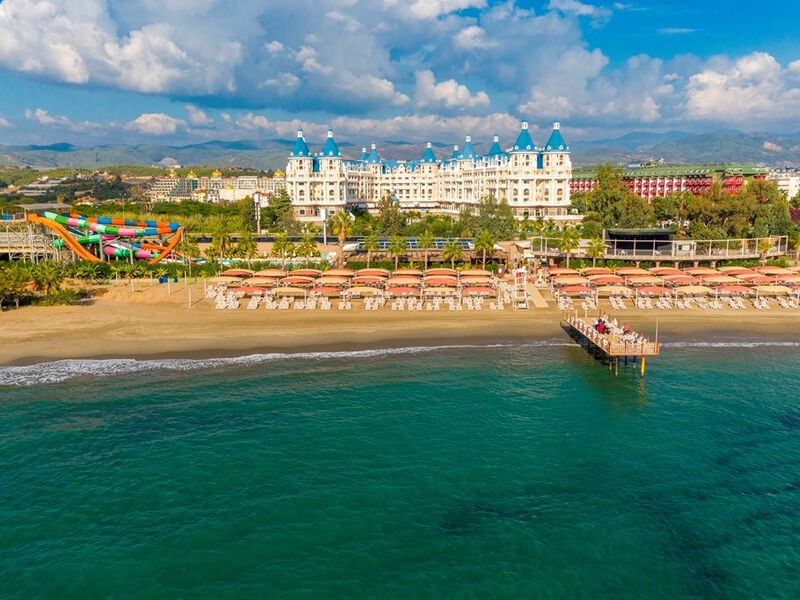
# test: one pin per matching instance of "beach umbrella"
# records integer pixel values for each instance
(373, 273)
(791, 278)
(401, 290)
(700, 271)
(306, 272)
(478, 291)
(613, 290)
(326, 290)
(694, 289)
(478, 280)
(331, 280)
(662, 271)
(237, 273)
(606, 279)
(735, 271)
(569, 280)
(596, 271)
(476, 273)
(625, 271)
(440, 291)
(718, 279)
(361, 291)
(405, 271)
(756, 278)
(441, 281)
(402, 280)
(362, 279)
(770, 270)
(340, 272)
(225, 279)
(772, 289)
(643, 280)
(270, 273)
(262, 281)
(734, 289)
(654, 289)
(297, 280)
(249, 289)
(576, 290)
(681, 279)
(561, 271)
(289, 291)
(439, 271)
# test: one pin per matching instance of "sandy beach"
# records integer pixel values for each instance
(150, 323)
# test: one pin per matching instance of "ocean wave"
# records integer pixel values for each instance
(63, 370)
(731, 344)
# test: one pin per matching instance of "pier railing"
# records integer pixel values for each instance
(612, 344)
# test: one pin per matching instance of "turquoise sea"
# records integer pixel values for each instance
(510, 471)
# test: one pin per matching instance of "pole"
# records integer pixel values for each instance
(644, 361)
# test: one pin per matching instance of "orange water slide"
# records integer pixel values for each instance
(176, 239)
(69, 240)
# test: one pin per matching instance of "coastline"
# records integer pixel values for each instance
(149, 324)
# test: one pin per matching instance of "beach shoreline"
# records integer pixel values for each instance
(150, 324)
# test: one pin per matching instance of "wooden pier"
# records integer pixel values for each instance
(610, 346)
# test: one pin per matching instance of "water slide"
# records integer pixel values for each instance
(107, 231)
(65, 235)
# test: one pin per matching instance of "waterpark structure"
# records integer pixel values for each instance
(40, 232)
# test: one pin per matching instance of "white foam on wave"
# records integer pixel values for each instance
(62, 370)
(740, 344)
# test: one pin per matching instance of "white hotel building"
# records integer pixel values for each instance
(533, 180)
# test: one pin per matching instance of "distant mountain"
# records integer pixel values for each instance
(673, 147)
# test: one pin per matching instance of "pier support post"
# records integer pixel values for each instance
(616, 366)
(644, 361)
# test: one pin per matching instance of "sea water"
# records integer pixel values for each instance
(503, 471)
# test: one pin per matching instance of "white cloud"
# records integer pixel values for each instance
(198, 117)
(473, 37)
(155, 124)
(225, 117)
(751, 88)
(43, 117)
(432, 9)
(5, 123)
(578, 8)
(675, 31)
(274, 47)
(447, 94)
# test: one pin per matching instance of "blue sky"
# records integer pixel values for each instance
(186, 71)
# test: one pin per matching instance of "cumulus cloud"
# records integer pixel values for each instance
(5, 123)
(447, 94)
(432, 9)
(155, 124)
(753, 87)
(198, 117)
(43, 117)
(472, 38)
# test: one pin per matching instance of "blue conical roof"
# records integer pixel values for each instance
(455, 152)
(330, 149)
(556, 142)
(364, 155)
(429, 156)
(300, 148)
(468, 151)
(524, 141)
(372, 157)
(495, 149)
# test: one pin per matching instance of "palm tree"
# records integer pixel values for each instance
(222, 238)
(452, 252)
(283, 247)
(371, 244)
(397, 247)
(484, 242)
(307, 247)
(89, 270)
(570, 241)
(596, 249)
(189, 247)
(341, 225)
(426, 242)
(48, 276)
(14, 280)
(764, 246)
(247, 246)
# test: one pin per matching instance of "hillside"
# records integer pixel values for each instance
(673, 147)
